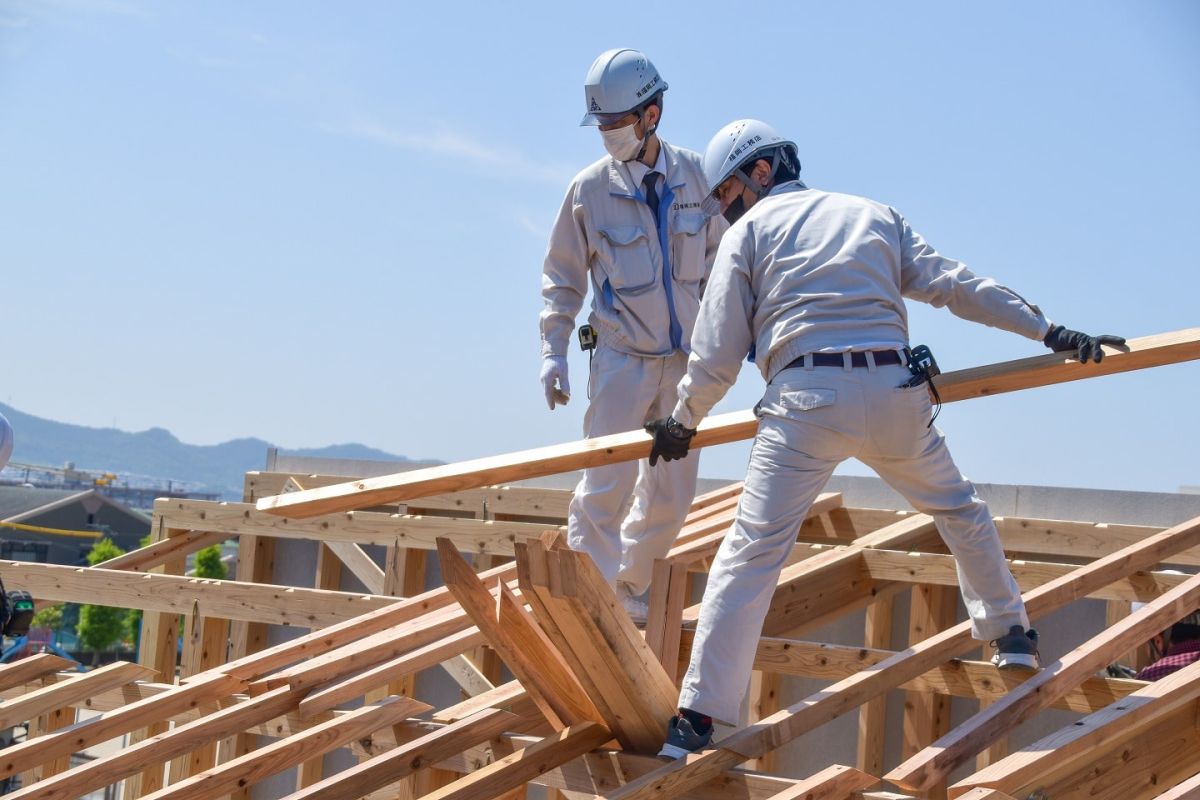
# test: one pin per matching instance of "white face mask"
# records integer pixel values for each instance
(622, 144)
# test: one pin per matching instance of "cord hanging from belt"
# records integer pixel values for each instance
(924, 368)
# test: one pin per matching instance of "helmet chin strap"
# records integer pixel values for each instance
(753, 185)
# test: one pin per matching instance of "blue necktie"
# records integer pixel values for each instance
(650, 184)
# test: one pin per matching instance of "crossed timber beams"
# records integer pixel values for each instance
(1149, 351)
(551, 603)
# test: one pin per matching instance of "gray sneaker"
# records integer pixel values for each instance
(1017, 648)
(682, 738)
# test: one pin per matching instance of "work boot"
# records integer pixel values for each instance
(682, 737)
(1017, 648)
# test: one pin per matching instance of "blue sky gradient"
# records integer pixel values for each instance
(319, 223)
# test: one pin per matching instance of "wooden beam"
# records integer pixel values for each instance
(181, 543)
(93, 775)
(494, 537)
(984, 381)
(372, 650)
(1136, 714)
(111, 724)
(525, 764)
(31, 668)
(580, 613)
(933, 568)
(936, 762)
(831, 783)
(521, 644)
(1133, 767)
(404, 760)
(327, 639)
(176, 594)
(334, 694)
(70, 692)
(486, 501)
(359, 563)
(980, 680)
(932, 609)
(872, 716)
(248, 769)
(669, 586)
(855, 690)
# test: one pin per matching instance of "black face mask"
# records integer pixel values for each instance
(735, 210)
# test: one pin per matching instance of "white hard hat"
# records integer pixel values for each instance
(737, 144)
(619, 81)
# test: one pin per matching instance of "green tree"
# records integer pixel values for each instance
(101, 627)
(209, 564)
(49, 617)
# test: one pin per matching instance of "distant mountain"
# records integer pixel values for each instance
(157, 453)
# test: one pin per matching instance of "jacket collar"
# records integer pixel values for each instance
(620, 182)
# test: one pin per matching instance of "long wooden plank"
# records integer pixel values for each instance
(853, 691)
(372, 650)
(406, 759)
(1138, 712)
(284, 754)
(113, 723)
(525, 764)
(158, 553)
(1134, 767)
(494, 537)
(68, 693)
(482, 503)
(945, 755)
(980, 680)
(1150, 351)
(934, 568)
(832, 783)
(323, 641)
(184, 738)
(357, 685)
(32, 668)
(176, 594)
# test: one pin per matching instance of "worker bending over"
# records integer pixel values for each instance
(633, 224)
(814, 282)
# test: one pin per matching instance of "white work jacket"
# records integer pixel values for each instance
(646, 281)
(806, 271)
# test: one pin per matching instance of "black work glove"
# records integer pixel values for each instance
(1060, 339)
(671, 440)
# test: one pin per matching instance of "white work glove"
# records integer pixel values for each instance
(554, 368)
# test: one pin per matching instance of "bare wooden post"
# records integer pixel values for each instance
(256, 563)
(927, 714)
(157, 650)
(872, 717)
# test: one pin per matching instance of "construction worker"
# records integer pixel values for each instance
(814, 282)
(1173, 649)
(634, 223)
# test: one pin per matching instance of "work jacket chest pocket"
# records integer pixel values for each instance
(624, 255)
(688, 246)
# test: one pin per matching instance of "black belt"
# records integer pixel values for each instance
(857, 359)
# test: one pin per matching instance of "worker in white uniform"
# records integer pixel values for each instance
(814, 282)
(634, 225)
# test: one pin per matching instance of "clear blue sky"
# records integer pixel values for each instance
(324, 222)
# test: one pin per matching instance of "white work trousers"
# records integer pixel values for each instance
(626, 515)
(810, 420)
